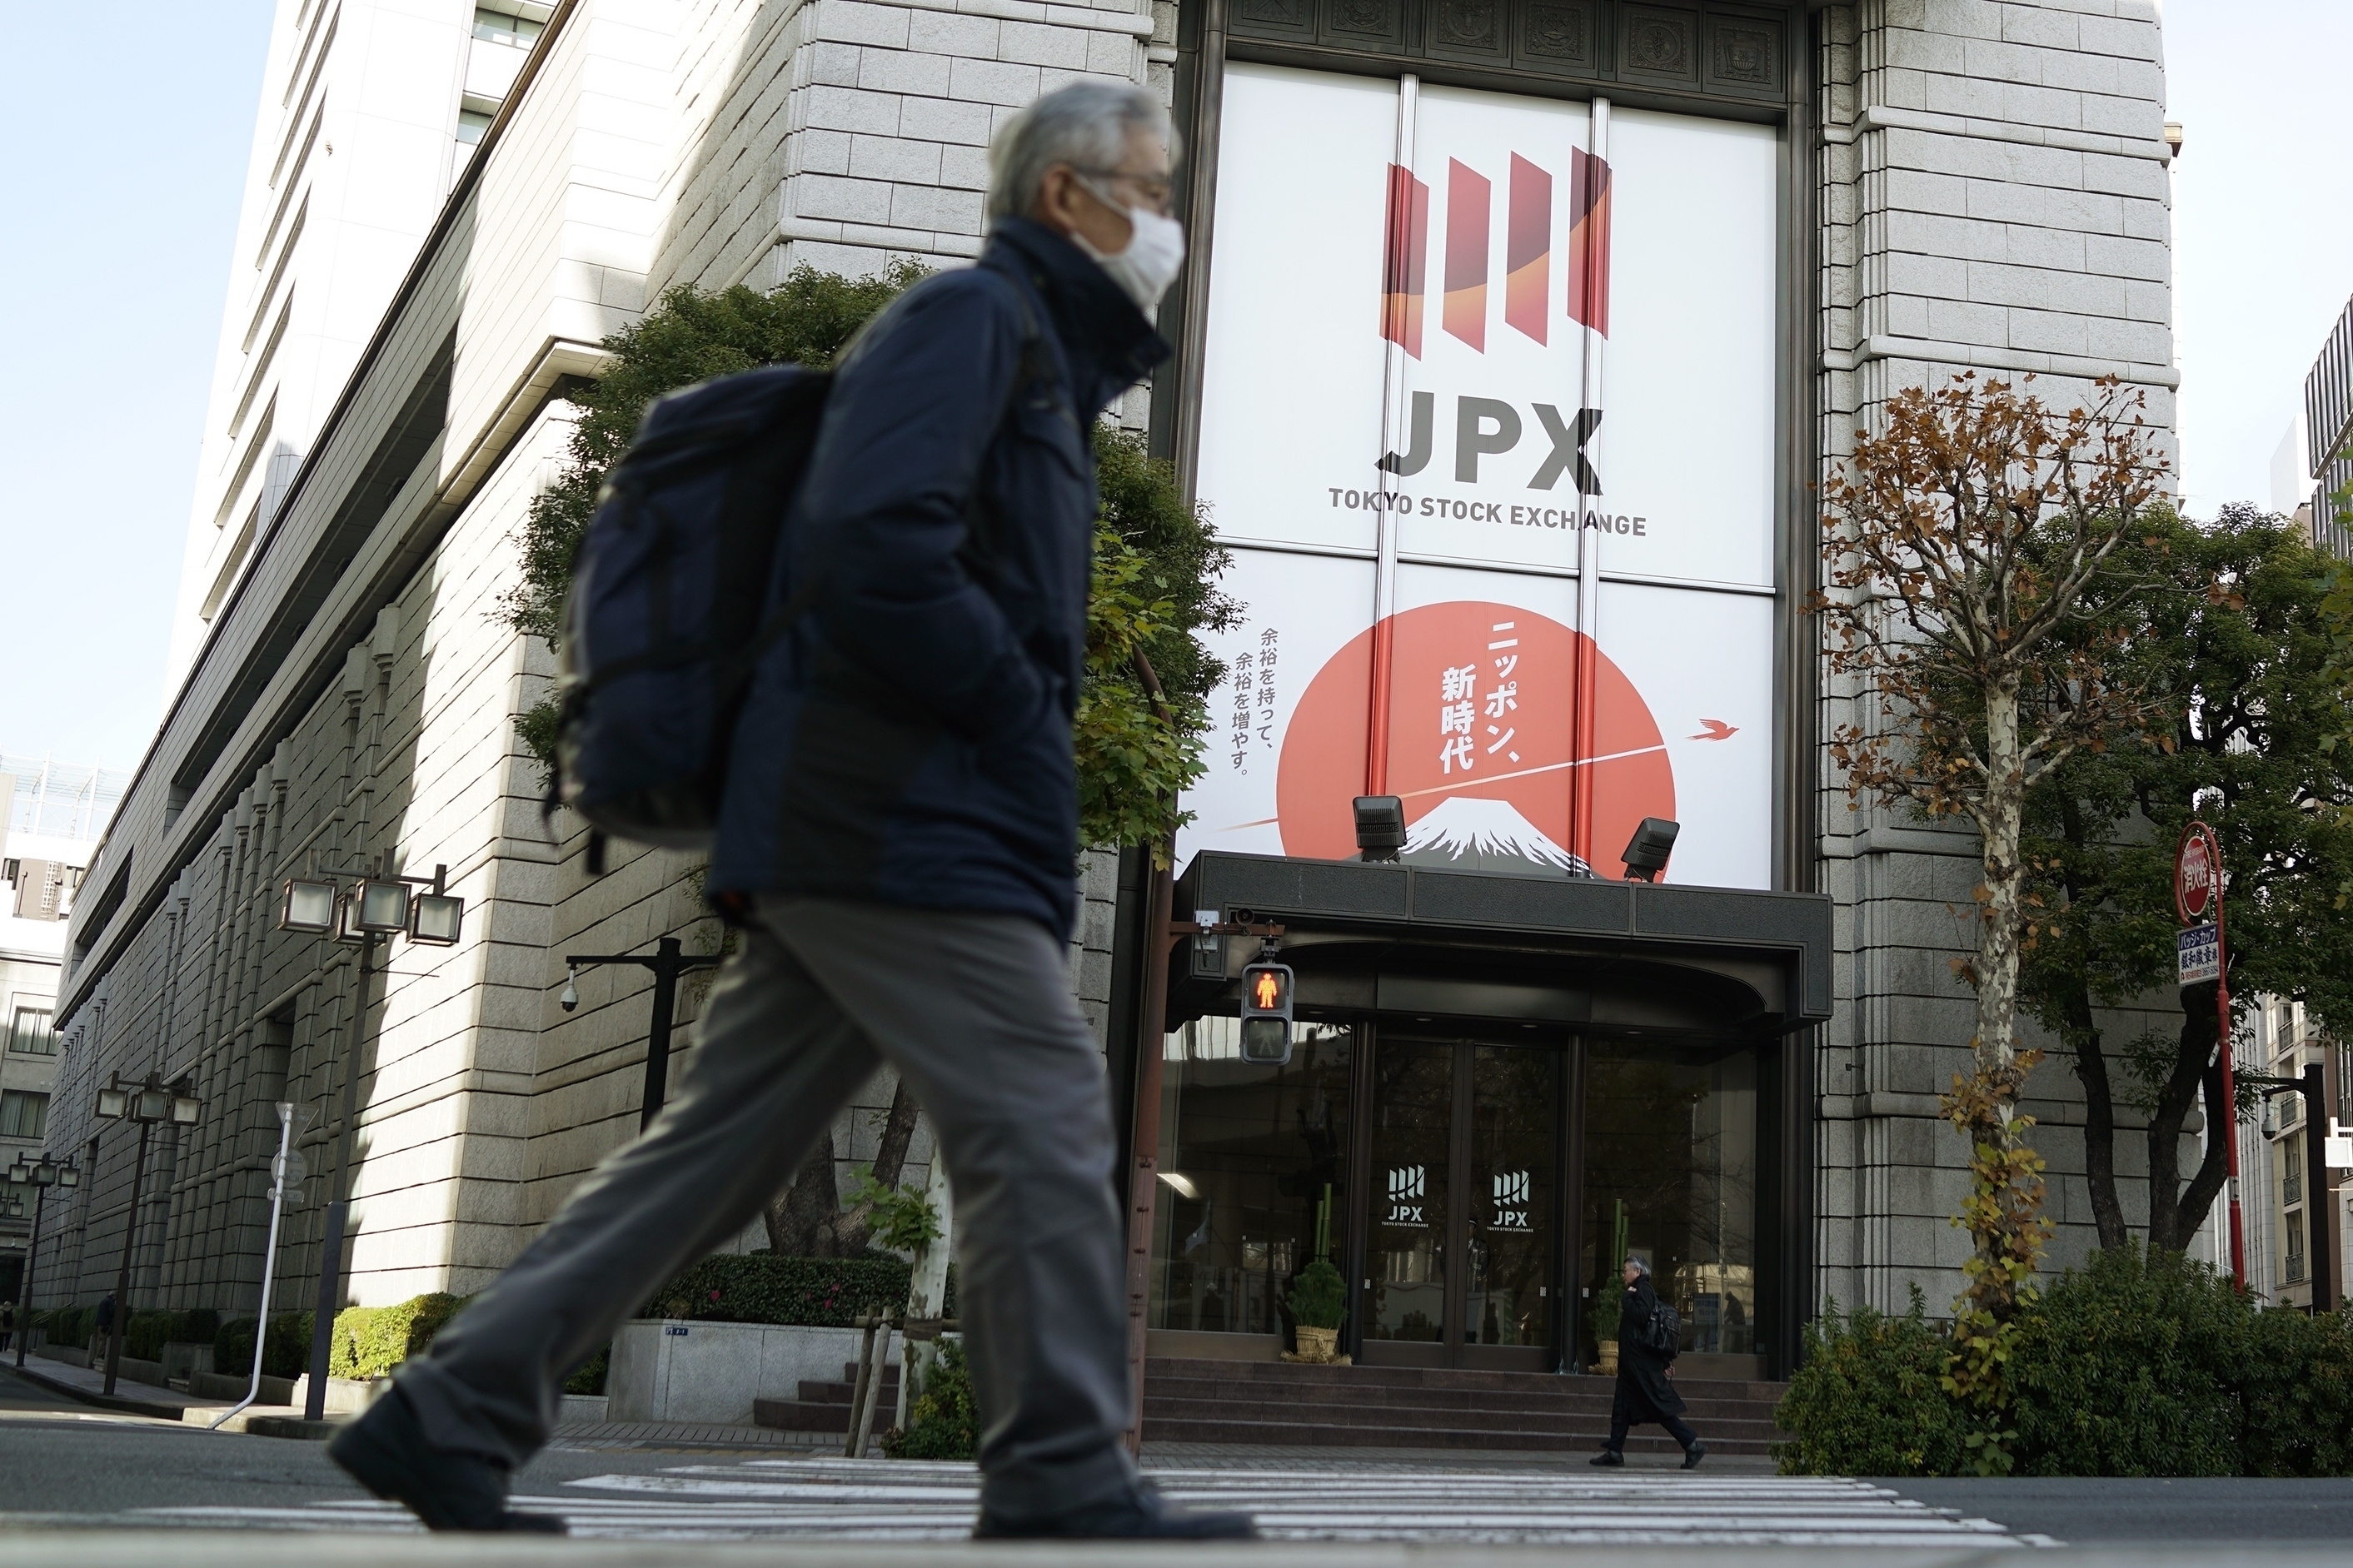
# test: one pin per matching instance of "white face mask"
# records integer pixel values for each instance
(1155, 253)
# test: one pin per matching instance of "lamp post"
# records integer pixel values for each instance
(668, 961)
(40, 1175)
(378, 907)
(147, 1104)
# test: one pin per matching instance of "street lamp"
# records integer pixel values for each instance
(668, 961)
(379, 907)
(40, 1175)
(147, 1103)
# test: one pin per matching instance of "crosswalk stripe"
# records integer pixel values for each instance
(915, 1500)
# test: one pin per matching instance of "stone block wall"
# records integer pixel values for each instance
(1992, 181)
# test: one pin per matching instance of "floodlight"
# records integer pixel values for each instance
(114, 1103)
(382, 907)
(309, 906)
(1647, 851)
(435, 919)
(1380, 826)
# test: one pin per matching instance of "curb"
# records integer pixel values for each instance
(123, 1403)
(291, 1427)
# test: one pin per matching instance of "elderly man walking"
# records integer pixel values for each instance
(895, 850)
(1646, 1391)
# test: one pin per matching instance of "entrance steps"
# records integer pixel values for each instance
(824, 1404)
(1195, 1400)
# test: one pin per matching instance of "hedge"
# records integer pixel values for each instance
(287, 1353)
(371, 1340)
(67, 1325)
(943, 1423)
(147, 1333)
(2140, 1363)
(760, 1288)
(1866, 1401)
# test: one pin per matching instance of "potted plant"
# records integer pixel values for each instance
(1607, 1303)
(1318, 1300)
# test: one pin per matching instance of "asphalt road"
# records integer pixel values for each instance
(64, 1464)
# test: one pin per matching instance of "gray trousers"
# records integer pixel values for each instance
(975, 1012)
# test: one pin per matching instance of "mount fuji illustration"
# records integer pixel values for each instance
(1473, 835)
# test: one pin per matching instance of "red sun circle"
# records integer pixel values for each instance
(1514, 669)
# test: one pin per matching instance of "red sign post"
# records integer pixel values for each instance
(2198, 899)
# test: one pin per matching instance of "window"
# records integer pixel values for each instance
(471, 123)
(505, 28)
(2293, 1271)
(24, 1114)
(31, 1034)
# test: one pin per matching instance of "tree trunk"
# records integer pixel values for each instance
(801, 1218)
(2003, 1215)
(889, 1159)
(2099, 1121)
(2192, 1060)
(807, 1219)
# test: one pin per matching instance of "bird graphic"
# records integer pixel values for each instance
(1717, 730)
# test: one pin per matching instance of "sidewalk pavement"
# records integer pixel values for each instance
(87, 1386)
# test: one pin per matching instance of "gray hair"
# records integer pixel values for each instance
(1641, 1264)
(1085, 125)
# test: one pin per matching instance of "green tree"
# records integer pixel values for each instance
(1970, 542)
(2236, 642)
(1156, 560)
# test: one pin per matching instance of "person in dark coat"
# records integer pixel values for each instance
(895, 852)
(1646, 1391)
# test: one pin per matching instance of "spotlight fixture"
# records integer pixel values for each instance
(1647, 851)
(1381, 826)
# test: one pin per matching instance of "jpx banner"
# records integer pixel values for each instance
(1489, 420)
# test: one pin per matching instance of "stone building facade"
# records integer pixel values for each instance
(1966, 184)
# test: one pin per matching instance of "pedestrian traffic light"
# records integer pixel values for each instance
(1266, 1013)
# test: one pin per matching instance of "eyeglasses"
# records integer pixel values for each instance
(1157, 190)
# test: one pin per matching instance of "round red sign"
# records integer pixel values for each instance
(2197, 875)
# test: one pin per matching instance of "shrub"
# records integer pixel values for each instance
(68, 1325)
(371, 1340)
(760, 1288)
(588, 1377)
(2296, 1395)
(287, 1353)
(2130, 1366)
(942, 1422)
(1866, 1400)
(146, 1333)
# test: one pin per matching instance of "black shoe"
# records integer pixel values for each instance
(386, 1451)
(1694, 1454)
(1608, 1459)
(1139, 1516)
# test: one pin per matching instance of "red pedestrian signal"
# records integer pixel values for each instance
(1266, 1013)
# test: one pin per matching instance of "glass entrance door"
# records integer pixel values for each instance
(1465, 1160)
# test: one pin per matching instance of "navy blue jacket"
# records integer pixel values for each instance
(909, 743)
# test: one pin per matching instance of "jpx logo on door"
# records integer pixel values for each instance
(1406, 1195)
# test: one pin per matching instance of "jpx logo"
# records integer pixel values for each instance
(1511, 1200)
(1527, 252)
(1406, 1199)
(1488, 427)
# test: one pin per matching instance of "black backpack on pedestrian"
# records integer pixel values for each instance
(668, 612)
(1664, 1331)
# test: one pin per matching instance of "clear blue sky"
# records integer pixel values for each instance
(132, 123)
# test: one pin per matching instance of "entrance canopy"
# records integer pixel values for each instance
(1630, 959)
